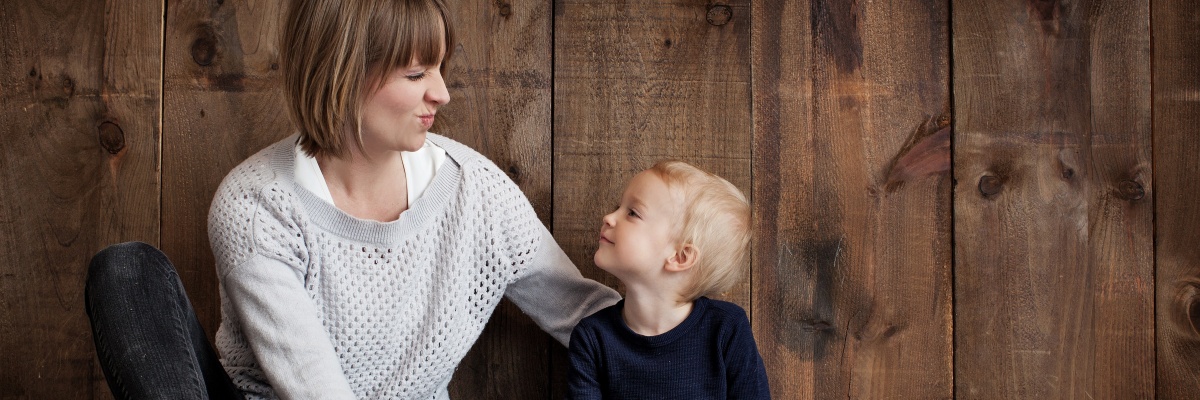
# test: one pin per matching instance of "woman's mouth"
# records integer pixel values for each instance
(427, 120)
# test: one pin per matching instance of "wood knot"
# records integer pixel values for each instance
(1068, 173)
(1130, 190)
(719, 14)
(68, 86)
(943, 121)
(1185, 310)
(112, 138)
(990, 185)
(1193, 313)
(513, 172)
(204, 48)
(667, 43)
(505, 9)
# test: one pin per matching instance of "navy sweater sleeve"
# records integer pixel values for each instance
(745, 373)
(582, 378)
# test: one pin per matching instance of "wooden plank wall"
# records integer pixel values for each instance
(852, 291)
(80, 97)
(1176, 119)
(1049, 253)
(1054, 203)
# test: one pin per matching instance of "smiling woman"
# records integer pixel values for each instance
(360, 257)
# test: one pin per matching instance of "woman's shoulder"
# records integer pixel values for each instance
(480, 175)
(253, 179)
(263, 166)
(463, 155)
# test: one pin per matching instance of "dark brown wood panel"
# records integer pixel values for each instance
(636, 83)
(222, 103)
(852, 287)
(80, 85)
(1176, 39)
(1053, 203)
(499, 79)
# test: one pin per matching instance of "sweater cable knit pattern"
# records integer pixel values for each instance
(317, 303)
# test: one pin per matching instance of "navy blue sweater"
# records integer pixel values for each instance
(710, 355)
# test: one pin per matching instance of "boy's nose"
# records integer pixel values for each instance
(610, 219)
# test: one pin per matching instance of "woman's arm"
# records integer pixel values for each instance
(553, 292)
(261, 266)
(280, 324)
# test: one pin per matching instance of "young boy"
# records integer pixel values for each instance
(678, 235)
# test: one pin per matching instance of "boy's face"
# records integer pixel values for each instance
(638, 237)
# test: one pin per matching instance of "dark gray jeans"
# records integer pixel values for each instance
(150, 344)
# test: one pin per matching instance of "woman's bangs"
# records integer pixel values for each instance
(415, 32)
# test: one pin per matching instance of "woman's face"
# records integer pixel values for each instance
(397, 116)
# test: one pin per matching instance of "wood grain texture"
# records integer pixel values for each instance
(222, 103)
(1053, 204)
(499, 79)
(80, 88)
(852, 287)
(1176, 165)
(636, 83)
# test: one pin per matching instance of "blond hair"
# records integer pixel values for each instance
(335, 52)
(715, 221)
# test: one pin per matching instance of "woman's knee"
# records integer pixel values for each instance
(126, 263)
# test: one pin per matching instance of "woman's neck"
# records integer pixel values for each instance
(652, 313)
(374, 189)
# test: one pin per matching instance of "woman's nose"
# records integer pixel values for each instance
(437, 92)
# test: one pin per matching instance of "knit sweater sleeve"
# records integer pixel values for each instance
(261, 271)
(553, 292)
(546, 284)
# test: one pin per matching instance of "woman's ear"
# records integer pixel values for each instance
(683, 259)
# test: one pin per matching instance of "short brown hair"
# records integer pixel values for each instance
(331, 50)
(716, 221)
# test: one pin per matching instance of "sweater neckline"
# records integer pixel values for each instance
(433, 202)
(699, 308)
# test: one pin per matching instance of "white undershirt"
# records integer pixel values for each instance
(419, 168)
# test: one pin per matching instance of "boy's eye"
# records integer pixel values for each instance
(633, 213)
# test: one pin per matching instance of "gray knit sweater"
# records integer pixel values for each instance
(318, 304)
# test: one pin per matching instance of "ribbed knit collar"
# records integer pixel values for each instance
(433, 202)
(699, 307)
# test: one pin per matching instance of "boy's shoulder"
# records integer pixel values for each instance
(603, 318)
(724, 309)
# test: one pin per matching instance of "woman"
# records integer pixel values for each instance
(362, 257)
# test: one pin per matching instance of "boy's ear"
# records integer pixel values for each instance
(683, 259)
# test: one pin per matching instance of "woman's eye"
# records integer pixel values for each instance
(415, 77)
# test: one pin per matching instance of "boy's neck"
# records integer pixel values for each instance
(651, 313)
